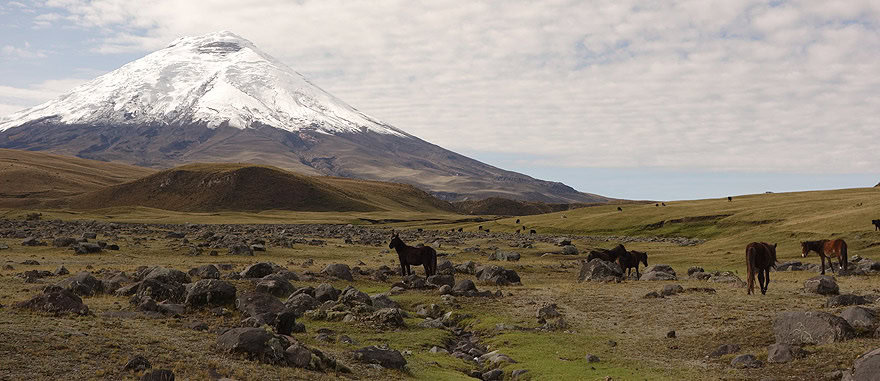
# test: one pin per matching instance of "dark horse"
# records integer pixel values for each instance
(760, 257)
(876, 224)
(606, 254)
(827, 248)
(631, 259)
(414, 256)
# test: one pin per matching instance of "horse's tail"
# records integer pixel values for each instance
(843, 254)
(750, 271)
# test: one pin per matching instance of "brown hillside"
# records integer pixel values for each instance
(242, 187)
(507, 207)
(30, 178)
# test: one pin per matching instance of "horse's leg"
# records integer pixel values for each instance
(761, 281)
(767, 279)
(402, 268)
(822, 257)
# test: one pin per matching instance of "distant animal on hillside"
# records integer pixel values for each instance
(460, 229)
(619, 209)
(533, 231)
(656, 204)
(419, 230)
(827, 248)
(480, 228)
(663, 203)
(606, 254)
(729, 199)
(760, 257)
(631, 260)
(876, 224)
(487, 230)
(517, 220)
(413, 256)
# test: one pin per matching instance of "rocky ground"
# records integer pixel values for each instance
(99, 300)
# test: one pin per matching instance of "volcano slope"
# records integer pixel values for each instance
(613, 321)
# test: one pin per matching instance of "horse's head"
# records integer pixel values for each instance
(395, 241)
(805, 249)
(643, 257)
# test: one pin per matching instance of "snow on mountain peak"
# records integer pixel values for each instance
(214, 79)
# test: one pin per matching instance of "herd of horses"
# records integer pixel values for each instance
(760, 257)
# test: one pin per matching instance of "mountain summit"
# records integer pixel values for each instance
(218, 98)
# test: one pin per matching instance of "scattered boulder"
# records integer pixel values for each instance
(861, 317)
(591, 358)
(746, 361)
(210, 293)
(509, 256)
(274, 284)
(325, 292)
(695, 269)
(300, 303)
(86, 248)
(352, 296)
(388, 317)
(783, 353)
(159, 291)
(846, 300)
(547, 311)
(259, 306)
(64, 242)
(164, 275)
(256, 343)
(600, 271)
(726, 277)
(387, 358)
(497, 275)
(58, 301)
(671, 289)
(562, 241)
(240, 249)
(822, 285)
(570, 250)
(383, 301)
(61, 270)
(464, 286)
(658, 272)
(82, 284)
(205, 272)
(440, 279)
(32, 241)
(259, 270)
(136, 364)
(725, 349)
(468, 267)
(810, 328)
(338, 270)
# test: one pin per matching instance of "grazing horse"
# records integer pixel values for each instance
(619, 209)
(631, 260)
(760, 257)
(414, 256)
(827, 248)
(876, 224)
(607, 255)
(729, 199)
(517, 220)
(533, 231)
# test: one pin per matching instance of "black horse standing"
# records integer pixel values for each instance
(413, 256)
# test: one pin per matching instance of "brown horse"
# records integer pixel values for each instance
(760, 257)
(413, 256)
(631, 260)
(827, 248)
(607, 255)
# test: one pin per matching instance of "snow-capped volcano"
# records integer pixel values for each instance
(218, 98)
(215, 79)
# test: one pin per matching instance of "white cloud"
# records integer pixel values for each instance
(14, 99)
(24, 52)
(717, 85)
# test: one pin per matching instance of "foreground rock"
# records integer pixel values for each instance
(822, 285)
(659, 272)
(600, 271)
(783, 353)
(338, 270)
(861, 317)
(865, 368)
(497, 275)
(810, 328)
(57, 301)
(255, 343)
(82, 284)
(260, 308)
(387, 358)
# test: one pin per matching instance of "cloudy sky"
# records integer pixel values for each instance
(634, 99)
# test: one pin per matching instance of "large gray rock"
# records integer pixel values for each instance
(383, 301)
(659, 272)
(746, 361)
(351, 296)
(325, 292)
(256, 343)
(822, 284)
(810, 328)
(159, 291)
(570, 250)
(865, 368)
(388, 317)
(210, 292)
(338, 270)
(600, 271)
(440, 280)
(464, 286)
(861, 317)
(387, 358)
(300, 303)
(240, 249)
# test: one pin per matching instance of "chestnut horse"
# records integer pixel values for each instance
(760, 257)
(414, 256)
(631, 260)
(827, 248)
